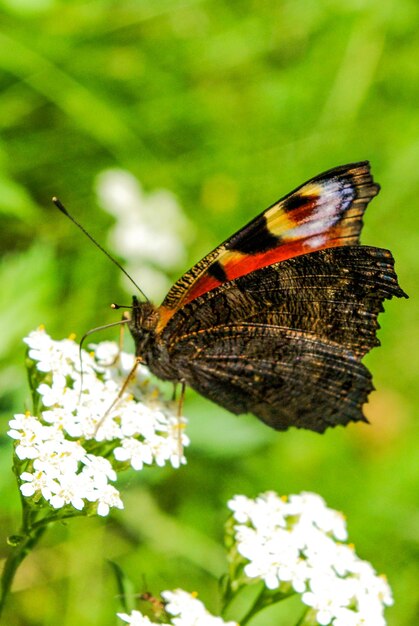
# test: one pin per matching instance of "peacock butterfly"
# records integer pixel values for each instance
(275, 320)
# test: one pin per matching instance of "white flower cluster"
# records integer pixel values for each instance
(182, 609)
(151, 229)
(295, 542)
(64, 446)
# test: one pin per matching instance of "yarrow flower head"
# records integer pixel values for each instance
(182, 609)
(69, 452)
(295, 544)
(150, 231)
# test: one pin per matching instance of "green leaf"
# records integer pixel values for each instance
(126, 588)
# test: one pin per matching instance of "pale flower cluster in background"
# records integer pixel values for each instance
(297, 542)
(182, 609)
(61, 449)
(150, 232)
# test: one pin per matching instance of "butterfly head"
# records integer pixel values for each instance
(142, 324)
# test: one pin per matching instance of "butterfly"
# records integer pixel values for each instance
(275, 320)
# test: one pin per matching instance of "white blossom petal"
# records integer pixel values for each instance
(80, 406)
(297, 541)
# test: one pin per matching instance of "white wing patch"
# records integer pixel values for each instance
(332, 202)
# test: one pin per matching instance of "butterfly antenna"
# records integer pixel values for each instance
(62, 208)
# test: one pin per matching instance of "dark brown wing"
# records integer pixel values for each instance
(335, 294)
(285, 341)
(284, 377)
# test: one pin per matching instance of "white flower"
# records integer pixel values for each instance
(182, 608)
(135, 618)
(82, 407)
(266, 512)
(312, 510)
(268, 557)
(187, 610)
(38, 482)
(349, 617)
(108, 498)
(241, 507)
(58, 455)
(373, 585)
(294, 541)
(99, 469)
(50, 356)
(136, 452)
(327, 594)
(53, 394)
(139, 419)
(107, 353)
(68, 490)
(29, 432)
(148, 226)
(150, 231)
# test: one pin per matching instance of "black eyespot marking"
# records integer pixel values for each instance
(254, 239)
(216, 270)
(295, 202)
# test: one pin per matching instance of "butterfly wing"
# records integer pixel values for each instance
(335, 294)
(285, 341)
(324, 212)
(284, 377)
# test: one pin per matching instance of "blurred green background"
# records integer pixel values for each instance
(228, 105)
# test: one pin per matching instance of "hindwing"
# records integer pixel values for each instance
(284, 377)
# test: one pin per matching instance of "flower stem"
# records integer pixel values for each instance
(308, 618)
(264, 601)
(19, 551)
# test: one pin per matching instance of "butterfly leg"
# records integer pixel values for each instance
(124, 320)
(121, 392)
(174, 391)
(180, 425)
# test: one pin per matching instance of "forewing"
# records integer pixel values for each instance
(324, 212)
(284, 377)
(333, 295)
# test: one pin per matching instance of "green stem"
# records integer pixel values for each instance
(263, 602)
(249, 616)
(31, 532)
(253, 611)
(307, 618)
(15, 558)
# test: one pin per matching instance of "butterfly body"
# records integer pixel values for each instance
(275, 321)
